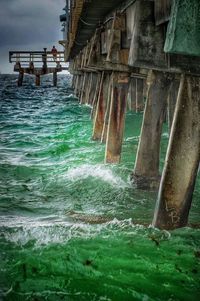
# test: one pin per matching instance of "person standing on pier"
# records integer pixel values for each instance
(54, 52)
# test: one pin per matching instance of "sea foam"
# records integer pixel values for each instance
(101, 172)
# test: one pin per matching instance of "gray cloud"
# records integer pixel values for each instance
(28, 25)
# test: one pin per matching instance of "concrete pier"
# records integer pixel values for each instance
(37, 80)
(120, 48)
(55, 79)
(131, 101)
(182, 160)
(100, 111)
(80, 88)
(92, 88)
(116, 118)
(146, 170)
(108, 91)
(96, 94)
(139, 95)
(83, 91)
(171, 102)
(20, 78)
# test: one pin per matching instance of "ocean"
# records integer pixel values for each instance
(71, 227)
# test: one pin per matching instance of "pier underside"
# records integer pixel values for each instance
(132, 55)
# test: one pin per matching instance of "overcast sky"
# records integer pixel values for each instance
(28, 25)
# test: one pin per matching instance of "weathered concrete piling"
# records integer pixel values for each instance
(37, 79)
(55, 78)
(20, 78)
(146, 171)
(182, 160)
(116, 120)
(171, 101)
(117, 58)
(100, 109)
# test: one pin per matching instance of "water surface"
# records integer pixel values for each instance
(72, 228)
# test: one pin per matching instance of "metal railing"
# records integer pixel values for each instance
(36, 57)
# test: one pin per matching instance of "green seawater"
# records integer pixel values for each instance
(71, 227)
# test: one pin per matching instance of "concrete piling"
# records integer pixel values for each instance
(80, 87)
(100, 111)
(88, 88)
(37, 80)
(146, 170)
(55, 79)
(108, 91)
(131, 101)
(139, 95)
(73, 81)
(116, 118)
(182, 159)
(76, 85)
(94, 82)
(20, 78)
(171, 102)
(96, 94)
(83, 89)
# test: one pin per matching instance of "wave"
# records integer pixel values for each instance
(98, 171)
(52, 230)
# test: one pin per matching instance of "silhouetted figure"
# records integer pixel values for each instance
(54, 52)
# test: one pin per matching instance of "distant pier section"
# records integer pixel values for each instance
(37, 63)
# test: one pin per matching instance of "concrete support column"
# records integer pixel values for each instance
(100, 76)
(116, 118)
(88, 87)
(73, 81)
(37, 80)
(145, 87)
(100, 112)
(139, 95)
(84, 96)
(146, 170)
(76, 85)
(107, 95)
(131, 101)
(31, 67)
(182, 160)
(44, 60)
(20, 78)
(92, 88)
(80, 86)
(83, 89)
(171, 102)
(55, 79)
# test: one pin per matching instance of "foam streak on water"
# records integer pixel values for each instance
(71, 227)
(96, 171)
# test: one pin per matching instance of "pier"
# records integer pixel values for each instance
(139, 55)
(37, 63)
(100, 165)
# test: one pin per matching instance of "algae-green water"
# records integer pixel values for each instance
(71, 227)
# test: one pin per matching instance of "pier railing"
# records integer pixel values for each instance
(24, 57)
(37, 63)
